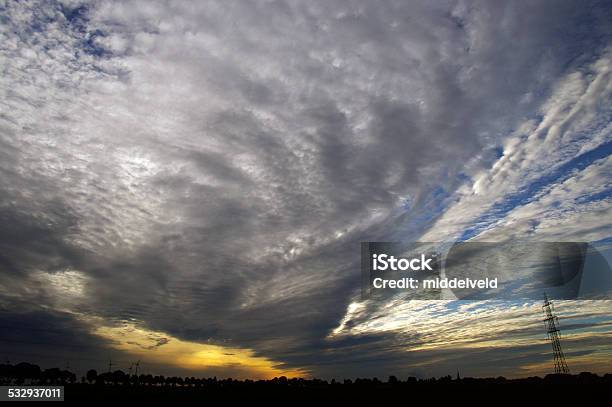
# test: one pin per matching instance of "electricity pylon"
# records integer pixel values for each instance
(552, 330)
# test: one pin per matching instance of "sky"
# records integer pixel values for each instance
(188, 183)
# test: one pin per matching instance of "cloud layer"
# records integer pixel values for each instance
(207, 170)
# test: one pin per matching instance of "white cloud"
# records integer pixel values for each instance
(574, 121)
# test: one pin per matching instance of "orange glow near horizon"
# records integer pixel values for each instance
(158, 347)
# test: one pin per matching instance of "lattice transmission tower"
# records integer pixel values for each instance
(552, 330)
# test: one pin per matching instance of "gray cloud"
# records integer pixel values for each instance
(209, 169)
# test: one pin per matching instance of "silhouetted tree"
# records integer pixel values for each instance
(25, 371)
(92, 375)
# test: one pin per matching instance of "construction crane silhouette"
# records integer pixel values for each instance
(552, 330)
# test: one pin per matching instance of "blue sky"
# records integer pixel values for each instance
(556, 175)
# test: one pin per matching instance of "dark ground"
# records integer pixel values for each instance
(584, 388)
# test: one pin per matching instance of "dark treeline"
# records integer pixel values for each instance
(121, 385)
(27, 373)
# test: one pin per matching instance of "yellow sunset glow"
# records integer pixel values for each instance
(158, 347)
